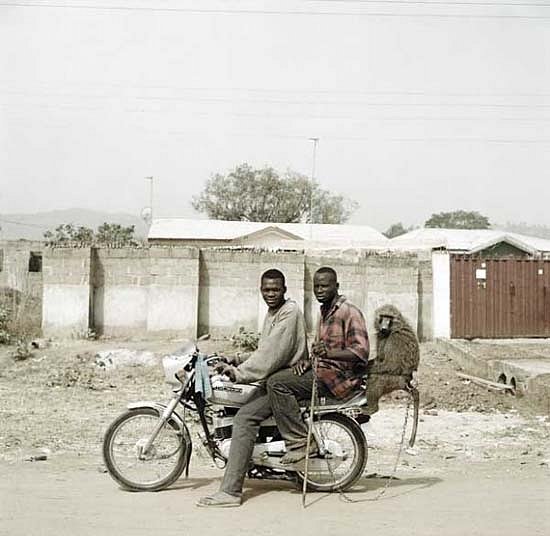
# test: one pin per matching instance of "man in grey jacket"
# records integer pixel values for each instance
(282, 344)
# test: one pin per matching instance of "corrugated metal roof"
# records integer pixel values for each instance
(465, 240)
(191, 229)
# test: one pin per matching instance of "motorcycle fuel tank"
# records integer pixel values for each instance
(226, 393)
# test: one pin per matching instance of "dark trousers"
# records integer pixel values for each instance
(285, 389)
(245, 429)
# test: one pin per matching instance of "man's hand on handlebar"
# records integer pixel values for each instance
(226, 370)
(230, 359)
(302, 366)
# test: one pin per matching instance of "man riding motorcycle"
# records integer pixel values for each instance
(282, 344)
(341, 350)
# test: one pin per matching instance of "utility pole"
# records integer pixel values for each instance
(150, 179)
(314, 159)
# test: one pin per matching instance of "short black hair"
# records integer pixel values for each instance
(273, 273)
(328, 270)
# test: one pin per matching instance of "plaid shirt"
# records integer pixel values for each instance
(342, 327)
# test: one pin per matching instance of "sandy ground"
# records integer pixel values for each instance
(480, 500)
(480, 465)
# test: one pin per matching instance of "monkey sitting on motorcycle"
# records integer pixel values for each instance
(397, 357)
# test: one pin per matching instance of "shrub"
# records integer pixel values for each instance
(245, 340)
(5, 315)
(20, 317)
(22, 351)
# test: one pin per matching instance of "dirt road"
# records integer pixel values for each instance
(481, 465)
(69, 496)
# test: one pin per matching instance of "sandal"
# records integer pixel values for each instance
(221, 499)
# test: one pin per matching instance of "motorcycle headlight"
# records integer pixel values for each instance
(173, 364)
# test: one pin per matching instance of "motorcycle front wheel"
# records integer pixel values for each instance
(123, 451)
(346, 455)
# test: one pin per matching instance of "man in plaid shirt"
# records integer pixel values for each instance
(342, 351)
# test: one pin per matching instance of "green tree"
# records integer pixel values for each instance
(107, 233)
(263, 195)
(114, 233)
(68, 232)
(394, 230)
(458, 219)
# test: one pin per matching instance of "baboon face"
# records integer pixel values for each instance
(384, 324)
(387, 318)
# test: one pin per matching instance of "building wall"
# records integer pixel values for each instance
(229, 295)
(14, 267)
(145, 290)
(120, 288)
(189, 292)
(425, 297)
(370, 280)
(66, 294)
(173, 291)
(441, 295)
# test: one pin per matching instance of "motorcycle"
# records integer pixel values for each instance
(149, 446)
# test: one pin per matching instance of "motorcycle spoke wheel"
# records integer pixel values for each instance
(134, 469)
(345, 460)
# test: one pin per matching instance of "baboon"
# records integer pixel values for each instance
(397, 356)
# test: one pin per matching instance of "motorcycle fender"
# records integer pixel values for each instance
(159, 408)
(351, 422)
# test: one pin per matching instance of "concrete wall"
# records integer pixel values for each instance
(441, 277)
(425, 297)
(188, 292)
(370, 280)
(120, 287)
(174, 291)
(145, 290)
(14, 267)
(66, 296)
(229, 295)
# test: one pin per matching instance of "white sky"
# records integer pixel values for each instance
(419, 108)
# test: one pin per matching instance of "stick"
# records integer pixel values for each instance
(309, 428)
(485, 383)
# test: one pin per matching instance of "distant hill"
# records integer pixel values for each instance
(33, 226)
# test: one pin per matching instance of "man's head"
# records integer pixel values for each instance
(325, 285)
(273, 288)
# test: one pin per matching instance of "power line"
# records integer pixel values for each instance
(265, 100)
(379, 140)
(217, 11)
(431, 3)
(419, 93)
(357, 118)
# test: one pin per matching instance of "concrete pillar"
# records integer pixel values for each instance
(441, 274)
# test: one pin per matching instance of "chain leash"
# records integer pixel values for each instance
(347, 498)
(342, 493)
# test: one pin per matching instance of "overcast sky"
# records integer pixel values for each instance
(420, 107)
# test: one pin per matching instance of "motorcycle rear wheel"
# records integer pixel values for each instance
(341, 430)
(160, 467)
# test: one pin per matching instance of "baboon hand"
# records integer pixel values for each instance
(301, 367)
(319, 349)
